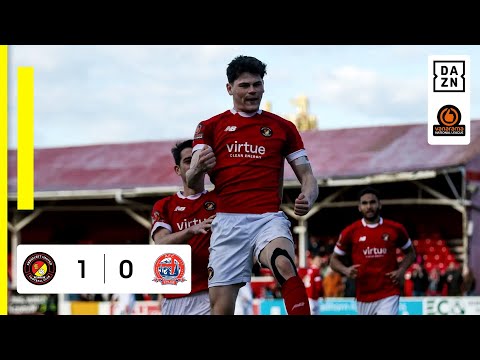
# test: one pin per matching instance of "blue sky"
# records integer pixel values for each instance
(113, 94)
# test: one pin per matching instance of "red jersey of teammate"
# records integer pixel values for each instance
(176, 213)
(250, 153)
(313, 281)
(373, 247)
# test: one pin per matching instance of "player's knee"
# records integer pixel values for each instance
(282, 265)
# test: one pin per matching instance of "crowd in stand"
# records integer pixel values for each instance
(450, 282)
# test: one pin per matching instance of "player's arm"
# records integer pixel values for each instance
(336, 263)
(408, 258)
(203, 160)
(164, 236)
(309, 187)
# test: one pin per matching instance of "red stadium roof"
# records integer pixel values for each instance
(360, 152)
(334, 154)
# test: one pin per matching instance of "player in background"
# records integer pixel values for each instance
(312, 278)
(123, 304)
(371, 242)
(185, 218)
(244, 151)
(244, 303)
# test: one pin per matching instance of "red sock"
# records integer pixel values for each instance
(295, 297)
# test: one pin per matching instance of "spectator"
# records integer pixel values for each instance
(454, 279)
(419, 279)
(434, 282)
(469, 282)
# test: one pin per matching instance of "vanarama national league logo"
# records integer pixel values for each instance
(169, 269)
(448, 118)
(39, 268)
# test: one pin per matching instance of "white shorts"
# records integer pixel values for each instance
(314, 306)
(386, 306)
(237, 239)
(194, 304)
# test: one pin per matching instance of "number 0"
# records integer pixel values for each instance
(130, 269)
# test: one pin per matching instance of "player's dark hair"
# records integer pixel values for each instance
(242, 64)
(369, 190)
(178, 148)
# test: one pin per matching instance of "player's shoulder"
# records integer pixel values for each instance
(353, 226)
(208, 126)
(216, 118)
(276, 117)
(279, 122)
(164, 201)
(394, 224)
(346, 233)
(210, 194)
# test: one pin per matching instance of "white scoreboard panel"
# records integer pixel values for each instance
(97, 269)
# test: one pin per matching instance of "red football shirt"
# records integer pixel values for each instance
(373, 247)
(177, 213)
(313, 281)
(250, 153)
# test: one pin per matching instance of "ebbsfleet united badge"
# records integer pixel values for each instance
(169, 269)
(39, 268)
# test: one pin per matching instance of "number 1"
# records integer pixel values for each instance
(82, 263)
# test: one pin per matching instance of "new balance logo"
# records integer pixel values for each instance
(230, 128)
(362, 238)
(179, 208)
(298, 305)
